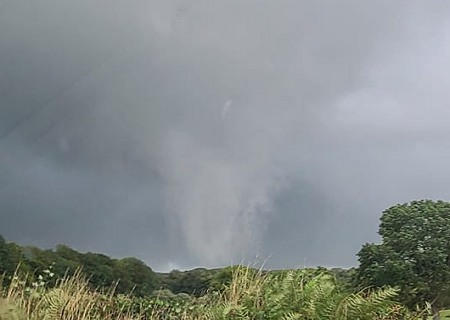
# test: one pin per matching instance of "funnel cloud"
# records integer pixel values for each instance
(200, 133)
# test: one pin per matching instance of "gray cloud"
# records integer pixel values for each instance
(203, 132)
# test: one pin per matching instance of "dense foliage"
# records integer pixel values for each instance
(104, 272)
(128, 275)
(251, 295)
(411, 265)
(194, 282)
(414, 254)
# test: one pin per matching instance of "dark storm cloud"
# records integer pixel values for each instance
(200, 132)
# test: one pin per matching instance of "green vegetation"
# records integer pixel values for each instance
(103, 271)
(194, 282)
(251, 295)
(414, 255)
(406, 276)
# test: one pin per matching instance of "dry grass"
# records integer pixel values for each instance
(251, 295)
(70, 299)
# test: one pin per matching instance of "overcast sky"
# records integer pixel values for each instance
(204, 132)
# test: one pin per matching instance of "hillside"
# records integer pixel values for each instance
(130, 274)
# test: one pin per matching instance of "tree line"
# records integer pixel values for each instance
(413, 256)
(103, 272)
(127, 275)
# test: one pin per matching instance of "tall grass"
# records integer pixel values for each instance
(70, 299)
(302, 295)
(251, 295)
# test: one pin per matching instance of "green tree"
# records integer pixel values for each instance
(99, 268)
(68, 253)
(414, 254)
(10, 257)
(3, 254)
(194, 282)
(223, 278)
(133, 274)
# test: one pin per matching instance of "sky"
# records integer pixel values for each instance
(201, 133)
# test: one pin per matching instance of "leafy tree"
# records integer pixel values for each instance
(99, 268)
(134, 275)
(223, 278)
(414, 254)
(195, 282)
(4, 255)
(10, 256)
(68, 253)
